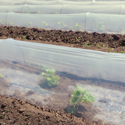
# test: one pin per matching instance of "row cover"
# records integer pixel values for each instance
(78, 22)
(64, 9)
(87, 64)
(75, 2)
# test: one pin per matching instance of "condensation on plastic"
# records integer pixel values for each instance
(64, 9)
(80, 62)
(51, 2)
(89, 21)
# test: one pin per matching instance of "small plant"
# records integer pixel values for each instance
(123, 32)
(10, 23)
(100, 27)
(78, 96)
(86, 43)
(44, 24)
(29, 24)
(77, 26)
(98, 46)
(2, 22)
(62, 24)
(122, 51)
(39, 12)
(50, 79)
(1, 75)
(24, 37)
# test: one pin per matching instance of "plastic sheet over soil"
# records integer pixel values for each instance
(100, 73)
(64, 9)
(51, 2)
(78, 22)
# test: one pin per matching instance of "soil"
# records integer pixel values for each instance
(94, 41)
(16, 109)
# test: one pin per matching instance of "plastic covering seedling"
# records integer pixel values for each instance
(2, 22)
(1, 76)
(56, 13)
(77, 26)
(50, 79)
(39, 12)
(62, 24)
(44, 24)
(10, 23)
(100, 27)
(78, 96)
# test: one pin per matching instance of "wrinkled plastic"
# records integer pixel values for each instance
(52, 2)
(64, 9)
(86, 64)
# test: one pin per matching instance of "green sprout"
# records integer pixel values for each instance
(44, 24)
(1, 75)
(86, 43)
(29, 24)
(77, 26)
(10, 23)
(122, 51)
(24, 37)
(2, 22)
(78, 96)
(50, 79)
(62, 24)
(100, 28)
(98, 46)
(38, 12)
(123, 32)
(55, 12)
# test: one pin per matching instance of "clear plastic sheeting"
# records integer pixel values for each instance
(64, 9)
(77, 22)
(84, 65)
(52, 2)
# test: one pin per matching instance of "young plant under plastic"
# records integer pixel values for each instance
(78, 96)
(77, 26)
(50, 79)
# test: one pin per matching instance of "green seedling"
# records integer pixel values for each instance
(109, 50)
(50, 79)
(100, 28)
(80, 95)
(77, 26)
(44, 24)
(39, 12)
(10, 23)
(122, 51)
(98, 46)
(123, 32)
(62, 24)
(2, 22)
(1, 75)
(24, 37)
(86, 43)
(55, 12)
(29, 24)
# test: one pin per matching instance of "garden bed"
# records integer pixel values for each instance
(95, 41)
(16, 83)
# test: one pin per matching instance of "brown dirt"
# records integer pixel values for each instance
(16, 110)
(95, 41)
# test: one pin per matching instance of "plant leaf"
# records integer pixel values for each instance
(74, 99)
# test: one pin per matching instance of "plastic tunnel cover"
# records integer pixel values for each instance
(100, 73)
